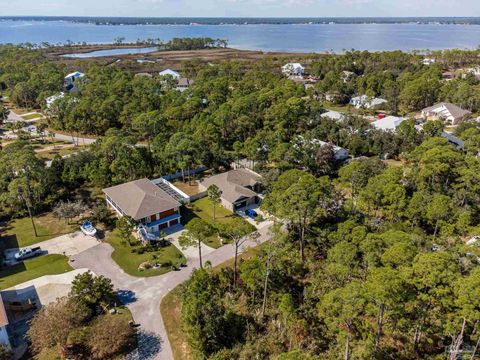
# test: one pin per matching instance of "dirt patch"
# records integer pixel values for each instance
(160, 60)
(186, 188)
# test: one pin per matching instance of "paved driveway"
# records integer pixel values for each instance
(46, 289)
(68, 245)
(78, 140)
(190, 252)
(144, 295)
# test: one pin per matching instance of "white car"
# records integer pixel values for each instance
(27, 253)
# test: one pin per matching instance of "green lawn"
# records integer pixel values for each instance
(32, 116)
(129, 261)
(32, 269)
(203, 209)
(19, 232)
(393, 163)
(50, 155)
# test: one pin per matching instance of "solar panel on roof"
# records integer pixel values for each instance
(170, 191)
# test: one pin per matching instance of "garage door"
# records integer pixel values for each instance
(240, 204)
(163, 226)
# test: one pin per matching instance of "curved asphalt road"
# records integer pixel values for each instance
(144, 295)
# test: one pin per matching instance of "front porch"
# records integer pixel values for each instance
(160, 225)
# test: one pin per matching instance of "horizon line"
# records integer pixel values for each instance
(244, 17)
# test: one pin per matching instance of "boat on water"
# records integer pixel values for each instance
(88, 229)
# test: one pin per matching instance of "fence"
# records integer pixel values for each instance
(178, 175)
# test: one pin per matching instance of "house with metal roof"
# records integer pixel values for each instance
(313, 145)
(447, 112)
(170, 72)
(51, 99)
(389, 123)
(367, 102)
(293, 69)
(73, 80)
(333, 115)
(157, 206)
(239, 187)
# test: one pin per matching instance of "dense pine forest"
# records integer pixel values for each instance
(368, 258)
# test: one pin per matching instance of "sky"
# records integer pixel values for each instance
(240, 8)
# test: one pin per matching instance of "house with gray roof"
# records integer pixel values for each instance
(447, 112)
(183, 84)
(239, 187)
(146, 203)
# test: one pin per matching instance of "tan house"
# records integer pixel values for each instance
(239, 187)
(449, 113)
(146, 203)
(4, 338)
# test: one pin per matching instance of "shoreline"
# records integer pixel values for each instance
(244, 21)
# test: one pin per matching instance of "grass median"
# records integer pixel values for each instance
(33, 268)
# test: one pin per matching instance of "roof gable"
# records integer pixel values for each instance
(233, 184)
(141, 198)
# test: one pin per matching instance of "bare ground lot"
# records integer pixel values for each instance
(165, 59)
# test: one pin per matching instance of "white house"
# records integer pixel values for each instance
(293, 69)
(339, 153)
(347, 75)
(475, 71)
(51, 99)
(428, 61)
(4, 339)
(334, 115)
(366, 102)
(389, 123)
(450, 113)
(170, 72)
(73, 80)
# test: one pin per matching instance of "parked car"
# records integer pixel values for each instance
(251, 213)
(28, 253)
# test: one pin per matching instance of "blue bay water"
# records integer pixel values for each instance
(266, 37)
(111, 52)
